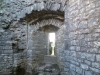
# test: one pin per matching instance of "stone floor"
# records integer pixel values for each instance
(47, 67)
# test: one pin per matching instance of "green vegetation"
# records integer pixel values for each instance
(44, 74)
(1, 2)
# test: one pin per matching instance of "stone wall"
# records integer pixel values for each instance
(6, 52)
(48, 22)
(14, 38)
(12, 45)
(40, 46)
(37, 47)
(82, 52)
(59, 48)
(19, 43)
(10, 14)
(18, 9)
(82, 20)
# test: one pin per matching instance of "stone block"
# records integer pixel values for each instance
(67, 73)
(22, 45)
(72, 48)
(67, 64)
(79, 70)
(2, 39)
(66, 69)
(0, 52)
(84, 66)
(7, 47)
(74, 42)
(91, 6)
(95, 70)
(83, 42)
(1, 30)
(73, 53)
(88, 73)
(75, 62)
(98, 58)
(2, 43)
(67, 59)
(78, 48)
(40, 6)
(73, 72)
(96, 65)
(97, 30)
(15, 56)
(86, 31)
(96, 35)
(72, 37)
(73, 27)
(72, 67)
(67, 53)
(66, 45)
(94, 50)
(98, 3)
(83, 24)
(55, 7)
(80, 37)
(82, 10)
(50, 59)
(93, 22)
(73, 8)
(8, 51)
(87, 62)
(90, 57)
(74, 13)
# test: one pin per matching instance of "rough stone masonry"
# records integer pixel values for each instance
(77, 38)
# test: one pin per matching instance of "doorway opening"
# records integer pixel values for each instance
(52, 43)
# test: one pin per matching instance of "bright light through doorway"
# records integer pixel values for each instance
(52, 37)
(52, 41)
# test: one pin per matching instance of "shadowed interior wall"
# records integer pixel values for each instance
(37, 47)
(59, 48)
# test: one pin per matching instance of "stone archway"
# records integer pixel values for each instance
(39, 18)
(33, 29)
(44, 50)
(47, 11)
(42, 23)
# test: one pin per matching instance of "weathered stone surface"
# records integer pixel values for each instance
(93, 22)
(88, 73)
(96, 65)
(83, 24)
(98, 58)
(60, 47)
(76, 52)
(79, 70)
(84, 66)
(72, 67)
(87, 62)
(84, 15)
(95, 70)
(55, 7)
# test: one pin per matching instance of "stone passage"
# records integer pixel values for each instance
(24, 37)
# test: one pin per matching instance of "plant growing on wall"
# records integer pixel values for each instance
(44, 74)
(2, 5)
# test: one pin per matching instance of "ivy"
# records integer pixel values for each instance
(44, 74)
(1, 2)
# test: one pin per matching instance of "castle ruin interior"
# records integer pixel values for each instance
(49, 37)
